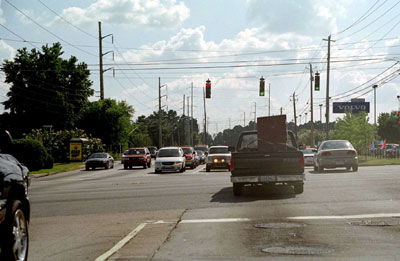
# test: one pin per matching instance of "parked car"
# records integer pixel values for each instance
(392, 150)
(170, 159)
(202, 156)
(190, 154)
(99, 160)
(137, 157)
(219, 157)
(336, 154)
(153, 151)
(14, 207)
(309, 156)
(24, 169)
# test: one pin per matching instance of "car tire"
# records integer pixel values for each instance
(298, 188)
(145, 166)
(107, 166)
(182, 170)
(237, 189)
(192, 166)
(15, 234)
(320, 169)
(315, 168)
(149, 165)
(112, 165)
(125, 166)
(87, 168)
(348, 168)
(355, 168)
(208, 169)
(157, 171)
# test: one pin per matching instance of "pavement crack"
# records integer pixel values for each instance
(169, 234)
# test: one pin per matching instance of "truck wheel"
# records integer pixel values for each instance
(237, 189)
(14, 232)
(208, 169)
(355, 168)
(298, 188)
(87, 168)
(125, 166)
(149, 165)
(192, 166)
(320, 169)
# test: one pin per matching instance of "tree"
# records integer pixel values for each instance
(356, 129)
(108, 120)
(388, 127)
(45, 89)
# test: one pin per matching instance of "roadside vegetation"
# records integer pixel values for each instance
(377, 162)
(60, 167)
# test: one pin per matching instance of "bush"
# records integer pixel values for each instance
(30, 152)
(49, 162)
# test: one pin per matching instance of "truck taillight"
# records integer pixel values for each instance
(232, 164)
(302, 162)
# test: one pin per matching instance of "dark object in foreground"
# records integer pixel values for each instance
(273, 159)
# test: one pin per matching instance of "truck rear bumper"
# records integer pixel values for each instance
(268, 179)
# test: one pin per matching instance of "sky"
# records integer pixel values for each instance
(231, 42)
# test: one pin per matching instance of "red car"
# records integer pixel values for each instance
(136, 157)
(190, 157)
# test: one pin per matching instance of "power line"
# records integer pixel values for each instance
(18, 36)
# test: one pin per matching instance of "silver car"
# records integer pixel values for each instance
(309, 156)
(336, 154)
(170, 159)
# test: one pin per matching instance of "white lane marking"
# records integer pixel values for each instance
(121, 243)
(219, 220)
(379, 215)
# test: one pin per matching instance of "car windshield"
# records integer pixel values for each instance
(222, 150)
(168, 153)
(152, 150)
(135, 152)
(98, 156)
(309, 151)
(201, 153)
(337, 144)
(187, 150)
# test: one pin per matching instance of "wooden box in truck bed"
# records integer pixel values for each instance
(272, 135)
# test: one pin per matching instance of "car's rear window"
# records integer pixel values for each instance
(218, 150)
(168, 153)
(135, 152)
(337, 144)
(187, 150)
(309, 151)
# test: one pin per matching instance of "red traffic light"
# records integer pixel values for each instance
(208, 88)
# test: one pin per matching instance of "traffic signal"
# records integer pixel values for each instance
(262, 86)
(208, 88)
(316, 83)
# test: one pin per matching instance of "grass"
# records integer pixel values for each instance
(377, 162)
(60, 167)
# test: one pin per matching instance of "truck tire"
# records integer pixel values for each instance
(298, 188)
(355, 168)
(14, 231)
(125, 166)
(208, 169)
(158, 171)
(237, 189)
(320, 169)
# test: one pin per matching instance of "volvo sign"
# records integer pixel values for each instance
(353, 107)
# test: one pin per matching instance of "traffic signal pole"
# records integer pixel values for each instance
(312, 107)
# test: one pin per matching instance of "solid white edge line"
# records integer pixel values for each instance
(121, 243)
(191, 221)
(381, 215)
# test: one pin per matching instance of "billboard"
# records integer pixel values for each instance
(354, 107)
(75, 151)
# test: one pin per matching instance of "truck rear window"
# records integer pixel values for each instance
(248, 142)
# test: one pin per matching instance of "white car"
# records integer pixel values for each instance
(309, 156)
(170, 159)
(219, 157)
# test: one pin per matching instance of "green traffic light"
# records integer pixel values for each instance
(261, 93)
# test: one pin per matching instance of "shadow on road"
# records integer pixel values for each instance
(254, 193)
(332, 171)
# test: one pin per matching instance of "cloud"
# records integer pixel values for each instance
(148, 13)
(6, 51)
(307, 17)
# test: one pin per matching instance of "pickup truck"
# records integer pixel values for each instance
(254, 167)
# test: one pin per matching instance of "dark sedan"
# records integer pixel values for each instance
(99, 160)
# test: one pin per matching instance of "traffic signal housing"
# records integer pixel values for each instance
(208, 88)
(262, 86)
(316, 82)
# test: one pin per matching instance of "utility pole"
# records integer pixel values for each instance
(320, 113)
(191, 122)
(188, 123)
(184, 105)
(255, 114)
(294, 111)
(205, 117)
(312, 107)
(159, 112)
(374, 87)
(281, 110)
(101, 54)
(327, 87)
(269, 99)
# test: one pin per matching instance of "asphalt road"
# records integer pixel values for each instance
(139, 215)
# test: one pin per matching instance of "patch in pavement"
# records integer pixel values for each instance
(279, 225)
(375, 223)
(297, 250)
